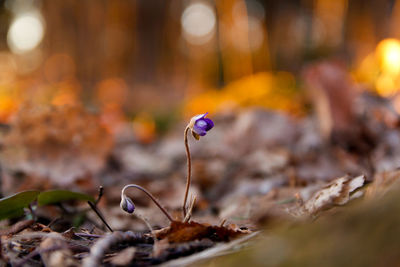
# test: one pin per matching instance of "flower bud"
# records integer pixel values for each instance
(200, 125)
(127, 204)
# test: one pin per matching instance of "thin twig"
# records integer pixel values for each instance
(150, 196)
(189, 170)
(222, 223)
(94, 208)
(101, 192)
(17, 227)
(52, 222)
(190, 210)
(88, 235)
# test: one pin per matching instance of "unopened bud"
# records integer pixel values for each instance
(127, 204)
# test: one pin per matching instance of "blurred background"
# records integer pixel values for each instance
(145, 62)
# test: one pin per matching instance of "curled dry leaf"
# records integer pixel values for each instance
(179, 232)
(336, 193)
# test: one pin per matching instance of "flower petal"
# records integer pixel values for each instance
(197, 117)
(201, 124)
(210, 124)
(199, 130)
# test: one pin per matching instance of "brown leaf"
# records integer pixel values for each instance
(336, 193)
(184, 232)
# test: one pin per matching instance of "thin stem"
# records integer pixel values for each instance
(189, 170)
(150, 196)
(189, 213)
(101, 192)
(98, 213)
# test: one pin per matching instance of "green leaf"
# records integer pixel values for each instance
(13, 206)
(57, 196)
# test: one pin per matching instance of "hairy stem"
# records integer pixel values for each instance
(150, 196)
(189, 170)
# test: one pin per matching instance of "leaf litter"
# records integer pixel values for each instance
(255, 168)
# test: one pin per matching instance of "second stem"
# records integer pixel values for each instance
(189, 170)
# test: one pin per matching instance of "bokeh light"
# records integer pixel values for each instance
(26, 32)
(388, 51)
(268, 90)
(198, 23)
(381, 70)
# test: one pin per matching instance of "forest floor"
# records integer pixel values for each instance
(267, 189)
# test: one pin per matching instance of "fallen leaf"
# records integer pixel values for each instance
(179, 232)
(336, 193)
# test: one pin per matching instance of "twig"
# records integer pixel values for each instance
(19, 237)
(54, 221)
(16, 228)
(222, 223)
(189, 213)
(88, 235)
(94, 208)
(189, 170)
(101, 192)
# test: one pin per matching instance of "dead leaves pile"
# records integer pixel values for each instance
(29, 243)
(60, 143)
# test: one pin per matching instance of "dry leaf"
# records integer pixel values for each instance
(336, 193)
(179, 232)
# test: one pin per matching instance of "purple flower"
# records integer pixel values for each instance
(200, 125)
(127, 204)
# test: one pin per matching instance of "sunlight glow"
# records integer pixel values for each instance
(389, 55)
(198, 23)
(25, 33)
